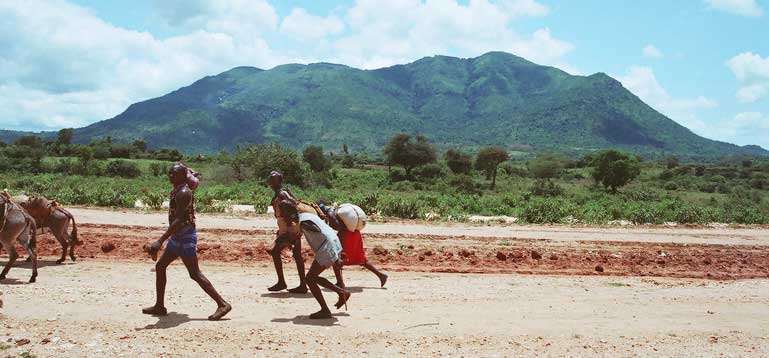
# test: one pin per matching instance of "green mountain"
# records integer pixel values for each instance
(494, 99)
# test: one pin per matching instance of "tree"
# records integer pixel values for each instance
(29, 141)
(672, 162)
(257, 161)
(547, 165)
(408, 153)
(140, 145)
(313, 155)
(614, 169)
(458, 162)
(488, 159)
(65, 136)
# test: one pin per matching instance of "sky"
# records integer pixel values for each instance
(70, 63)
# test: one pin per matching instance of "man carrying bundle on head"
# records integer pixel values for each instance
(288, 236)
(182, 243)
(327, 248)
(348, 220)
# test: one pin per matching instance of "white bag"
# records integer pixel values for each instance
(352, 216)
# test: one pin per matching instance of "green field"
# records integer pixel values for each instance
(720, 192)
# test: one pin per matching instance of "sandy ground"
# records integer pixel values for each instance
(668, 292)
(92, 309)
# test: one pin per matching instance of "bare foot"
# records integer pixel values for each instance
(155, 311)
(322, 314)
(220, 312)
(298, 289)
(383, 280)
(343, 298)
(280, 286)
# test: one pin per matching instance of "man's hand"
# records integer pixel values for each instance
(154, 248)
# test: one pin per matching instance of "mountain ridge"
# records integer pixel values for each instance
(494, 99)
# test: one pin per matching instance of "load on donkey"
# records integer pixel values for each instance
(48, 214)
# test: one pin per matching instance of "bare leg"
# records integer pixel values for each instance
(191, 262)
(297, 253)
(313, 280)
(160, 284)
(276, 260)
(382, 276)
(338, 275)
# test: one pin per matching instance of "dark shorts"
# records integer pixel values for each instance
(184, 243)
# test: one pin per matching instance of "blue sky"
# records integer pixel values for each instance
(69, 63)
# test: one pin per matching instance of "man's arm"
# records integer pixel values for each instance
(183, 201)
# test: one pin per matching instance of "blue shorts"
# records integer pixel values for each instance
(184, 243)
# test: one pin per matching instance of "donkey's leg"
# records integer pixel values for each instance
(63, 240)
(12, 255)
(27, 239)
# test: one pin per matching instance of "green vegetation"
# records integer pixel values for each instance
(594, 189)
(494, 99)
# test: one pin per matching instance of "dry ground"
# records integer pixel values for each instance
(663, 291)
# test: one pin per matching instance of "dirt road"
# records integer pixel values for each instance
(92, 309)
(705, 294)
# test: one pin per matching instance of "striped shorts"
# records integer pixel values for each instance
(184, 243)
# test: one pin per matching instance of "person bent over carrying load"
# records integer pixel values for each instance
(327, 248)
(348, 220)
(182, 243)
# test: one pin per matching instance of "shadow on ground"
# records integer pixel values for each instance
(306, 321)
(173, 319)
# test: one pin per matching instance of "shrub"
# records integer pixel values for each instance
(547, 165)
(545, 211)
(671, 185)
(429, 171)
(397, 175)
(614, 169)
(643, 213)
(400, 207)
(513, 170)
(464, 184)
(543, 187)
(313, 155)
(458, 162)
(123, 168)
(153, 199)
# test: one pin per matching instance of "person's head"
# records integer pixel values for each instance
(288, 211)
(275, 180)
(177, 174)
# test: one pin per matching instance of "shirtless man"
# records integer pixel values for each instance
(182, 244)
(327, 248)
(288, 235)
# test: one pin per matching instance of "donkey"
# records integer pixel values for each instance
(48, 214)
(17, 225)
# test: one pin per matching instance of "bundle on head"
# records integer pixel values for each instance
(193, 177)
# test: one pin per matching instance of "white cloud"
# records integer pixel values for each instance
(748, 8)
(302, 25)
(239, 18)
(60, 65)
(744, 128)
(752, 93)
(398, 31)
(643, 83)
(753, 73)
(652, 52)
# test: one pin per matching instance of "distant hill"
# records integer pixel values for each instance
(494, 99)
